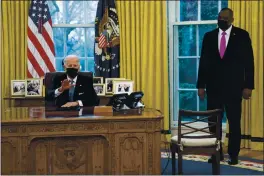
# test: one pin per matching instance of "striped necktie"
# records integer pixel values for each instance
(71, 91)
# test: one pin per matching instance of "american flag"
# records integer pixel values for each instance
(103, 40)
(40, 48)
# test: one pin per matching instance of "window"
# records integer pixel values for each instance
(189, 20)
(73, 31)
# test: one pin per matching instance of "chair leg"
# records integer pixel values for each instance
(213, 164)
(173, 165)
(216, 164)
(179, 162)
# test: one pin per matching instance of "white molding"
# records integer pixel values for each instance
(1, 61)
(171, 7)
(199, 11)
(176, 65)
(194, 22)
(188, 57)
(73, 25)
(177, 11)
(197, 60)
(186, 89)
(173, 12)
(219, 5)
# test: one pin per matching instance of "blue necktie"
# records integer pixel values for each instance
(71, 91)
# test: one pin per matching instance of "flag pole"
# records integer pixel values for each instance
(107, 56)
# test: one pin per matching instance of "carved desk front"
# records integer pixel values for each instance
(34, 142)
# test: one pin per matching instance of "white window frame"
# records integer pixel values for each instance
(86, 26)
(173, 12)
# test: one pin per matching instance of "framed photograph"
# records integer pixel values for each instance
(33, 88)
(99, 89)
(123, 86)
(109, 84)
(18, 87)
(98, 80)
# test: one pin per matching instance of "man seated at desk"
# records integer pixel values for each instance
(72, 89)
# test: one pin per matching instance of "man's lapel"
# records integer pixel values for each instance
(77, 85)
(230, 41)
(216, 43)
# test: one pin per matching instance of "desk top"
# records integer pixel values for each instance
(50, 114)
(41, 98)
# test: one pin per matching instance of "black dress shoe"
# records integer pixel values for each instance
(211, 159)
(232, 161)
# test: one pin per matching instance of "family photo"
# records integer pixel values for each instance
(109, 84)
(34, 87)
(18, 87)
(99, 89)
(125, 86)
(98, 80)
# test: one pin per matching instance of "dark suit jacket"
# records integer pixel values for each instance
(228, 76)
(83, 91)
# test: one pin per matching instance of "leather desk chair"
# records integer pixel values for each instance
(48, 80)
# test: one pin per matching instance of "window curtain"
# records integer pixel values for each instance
(248, 15)
(14, 16)
(143, 51)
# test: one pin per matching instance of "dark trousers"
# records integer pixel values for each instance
(232, 107)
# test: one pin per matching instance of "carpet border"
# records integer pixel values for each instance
(203, 158)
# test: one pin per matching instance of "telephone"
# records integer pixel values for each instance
(118, 101)
(134, 100)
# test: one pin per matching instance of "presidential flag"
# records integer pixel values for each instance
(40, 46)
(106, 48)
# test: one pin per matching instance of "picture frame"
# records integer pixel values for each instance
(109, 84)
(99, 89)
(123, 86)
(98, 80)
(34, 87)
(18, 87)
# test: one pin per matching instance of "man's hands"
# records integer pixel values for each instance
(201, 93)
(71, 104)
(65, 85)
(247, 93)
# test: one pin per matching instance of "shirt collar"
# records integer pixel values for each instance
(228, 31)
(74, 79)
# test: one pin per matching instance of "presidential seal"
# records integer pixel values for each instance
(108, 34)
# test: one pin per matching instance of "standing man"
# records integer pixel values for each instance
(72, 89)
(226, 74)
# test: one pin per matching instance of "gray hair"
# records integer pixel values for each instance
(69, 57)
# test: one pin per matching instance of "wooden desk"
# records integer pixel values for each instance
(40, 101)
(45, 141)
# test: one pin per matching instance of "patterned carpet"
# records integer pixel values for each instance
(244, 163)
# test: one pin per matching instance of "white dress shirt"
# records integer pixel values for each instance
(228, 31)
(57, 92)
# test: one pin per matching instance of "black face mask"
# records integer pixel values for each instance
(72, 72)
(222, 24)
